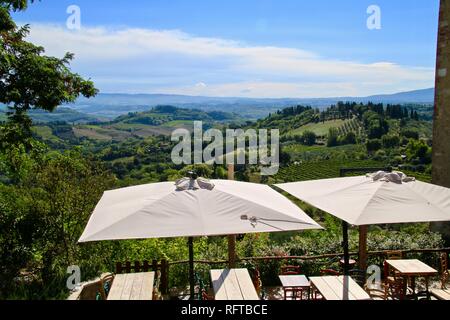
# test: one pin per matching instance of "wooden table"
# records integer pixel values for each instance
(234, 284)
(293, 282)
(338, 288)
(132, 286)
(413, 268)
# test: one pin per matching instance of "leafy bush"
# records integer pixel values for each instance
(333, 136)
(390, 141)
(309, 138)
(349, 138)
(410, 134)
(373, 145)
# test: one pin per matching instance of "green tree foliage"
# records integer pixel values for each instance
(45, 212)
(309, 138)
(333, 136)
(373, 145)
(45, 197)
(349, 138)
(418, 151)
(376, 125)
(202, 170)
(390, 141)
(410, 134)
(29, 79)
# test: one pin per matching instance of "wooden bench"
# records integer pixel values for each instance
(132, 286)
(441, 294)
(338, 288)
(234, 284)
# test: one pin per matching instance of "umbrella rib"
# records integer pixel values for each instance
(366, 205)
(282, 220)
(281, 213)
(200, 212)
(269, 225)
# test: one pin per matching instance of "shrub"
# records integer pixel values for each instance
(332, 137)
(380, 155)
(349, 138)
(390, 141)
(373, 145)
(309, 138)
(410, 134)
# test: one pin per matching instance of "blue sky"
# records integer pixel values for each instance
(257, 48)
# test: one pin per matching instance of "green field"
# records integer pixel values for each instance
(321, 152)
(90, 133)
(320, 129)
(326, 169)
(321, 169)
(46, 133)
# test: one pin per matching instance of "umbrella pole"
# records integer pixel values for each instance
(345, 247)
(191, 268)
(363, 247)
(231, 238)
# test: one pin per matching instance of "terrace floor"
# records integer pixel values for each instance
(277, 293)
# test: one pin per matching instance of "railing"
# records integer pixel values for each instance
(145, 266)
(308, 258)
(163, 266)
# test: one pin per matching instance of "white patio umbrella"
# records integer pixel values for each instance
(379, 198)
(191, 208)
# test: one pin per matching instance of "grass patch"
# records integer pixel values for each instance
(320, 129)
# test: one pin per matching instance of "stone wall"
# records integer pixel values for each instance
(441, 132)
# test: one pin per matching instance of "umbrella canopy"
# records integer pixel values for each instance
(379, 198)
(191, 209)
(382, 198)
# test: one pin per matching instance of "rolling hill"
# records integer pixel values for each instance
(61, 114)
(161, 120)
(114, 105)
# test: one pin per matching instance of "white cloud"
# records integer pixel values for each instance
(201, 85)
(144, 60)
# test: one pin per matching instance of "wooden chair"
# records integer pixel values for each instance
(315, 294)
(157, 283)
(394, 255)
(329, 272)
(397, 290)
(444, 270)
(255, 275)
(105, 286)
(206, 296)
(381, 293)
(391, 275)
(292, 293)
(290, 270)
